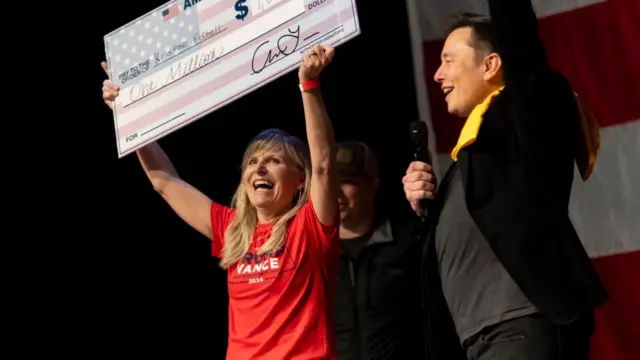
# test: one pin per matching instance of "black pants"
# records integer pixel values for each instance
(532, 338)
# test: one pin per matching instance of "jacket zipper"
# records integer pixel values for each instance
(352, 274)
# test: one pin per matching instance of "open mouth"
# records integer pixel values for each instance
(262, 185)
(447, 90)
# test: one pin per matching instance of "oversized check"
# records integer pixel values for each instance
(188, 58)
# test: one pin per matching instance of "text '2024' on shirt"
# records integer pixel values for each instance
(280, 303)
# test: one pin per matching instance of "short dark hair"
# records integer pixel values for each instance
(482, 35)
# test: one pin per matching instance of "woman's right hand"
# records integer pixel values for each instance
(109, 90)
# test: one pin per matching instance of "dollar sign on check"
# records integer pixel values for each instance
(242, 9)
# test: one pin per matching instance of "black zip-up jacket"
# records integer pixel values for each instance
(378, 298)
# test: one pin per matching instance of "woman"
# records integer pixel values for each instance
(278, 240)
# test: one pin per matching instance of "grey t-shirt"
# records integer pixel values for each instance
(477, 288)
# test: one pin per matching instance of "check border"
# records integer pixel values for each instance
(196, 116)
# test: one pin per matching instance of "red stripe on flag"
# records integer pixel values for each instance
(617, 330)
(595, 47)
(172, 11)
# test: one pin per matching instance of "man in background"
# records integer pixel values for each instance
(378, 300)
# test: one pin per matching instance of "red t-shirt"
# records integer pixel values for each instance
(281, 304)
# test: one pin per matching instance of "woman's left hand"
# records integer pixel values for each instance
(314, 61)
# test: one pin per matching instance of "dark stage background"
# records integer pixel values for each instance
(150, 286)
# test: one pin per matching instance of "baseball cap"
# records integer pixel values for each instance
(355, 160)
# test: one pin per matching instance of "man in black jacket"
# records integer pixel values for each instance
(504, 256)
(377, 305)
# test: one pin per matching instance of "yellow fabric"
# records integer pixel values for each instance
(586, 150)
(470, 129)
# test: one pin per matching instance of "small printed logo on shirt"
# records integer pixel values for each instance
(257, 268)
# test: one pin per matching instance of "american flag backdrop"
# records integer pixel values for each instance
(595, 43)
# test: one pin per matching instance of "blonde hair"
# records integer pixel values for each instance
(239, 234)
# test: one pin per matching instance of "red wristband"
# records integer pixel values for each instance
(309, 84)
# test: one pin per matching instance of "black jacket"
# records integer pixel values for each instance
(518, 175)
(378, 298)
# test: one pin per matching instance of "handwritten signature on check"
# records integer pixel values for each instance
(284, 48)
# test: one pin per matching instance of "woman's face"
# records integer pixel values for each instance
(272, 180)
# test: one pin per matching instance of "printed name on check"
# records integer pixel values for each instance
(188, 58)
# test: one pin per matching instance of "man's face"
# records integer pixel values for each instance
(356, 199)
(462, 74)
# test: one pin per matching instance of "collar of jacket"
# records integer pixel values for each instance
(470, 129)
(381, 235)
(586, 150)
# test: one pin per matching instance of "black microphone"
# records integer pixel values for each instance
(420, 149)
